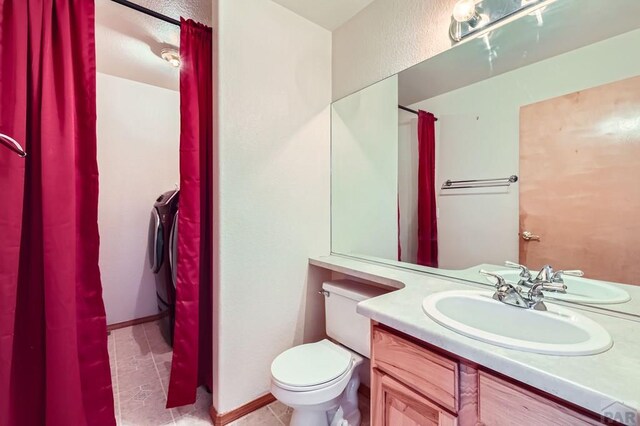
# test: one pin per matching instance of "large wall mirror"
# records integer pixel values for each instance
(521, 145)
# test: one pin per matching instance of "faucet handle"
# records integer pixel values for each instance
(556, 278)
(571, 272)
(524, 271)
(501, 282)
(556, 287)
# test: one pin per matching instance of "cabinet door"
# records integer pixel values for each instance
(504, 404)
(432, 375)
(394, 404)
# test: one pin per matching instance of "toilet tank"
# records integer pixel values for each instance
(343, 323)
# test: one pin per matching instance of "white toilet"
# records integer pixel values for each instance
(320, 380)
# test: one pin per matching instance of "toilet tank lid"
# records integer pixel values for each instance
(353, 290)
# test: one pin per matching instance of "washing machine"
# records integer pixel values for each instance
(163, 232)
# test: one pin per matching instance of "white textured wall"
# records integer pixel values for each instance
(275, 90)
(138, 150)
(364, 167)
(387, 37)
(477, 136)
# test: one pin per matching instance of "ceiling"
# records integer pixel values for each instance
(329, 14)
(128, 43)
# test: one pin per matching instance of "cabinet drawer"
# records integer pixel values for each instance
(433, 375)
(503, 403)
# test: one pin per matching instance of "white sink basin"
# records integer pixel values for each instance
(558, 331)
(581, 290)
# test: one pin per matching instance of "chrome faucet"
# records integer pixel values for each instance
(513, 295)
(548, 276)
(545, 274)
(551, 279)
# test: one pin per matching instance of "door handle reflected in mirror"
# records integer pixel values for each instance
(528, 236)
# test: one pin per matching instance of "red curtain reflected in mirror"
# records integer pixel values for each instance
(427, 219)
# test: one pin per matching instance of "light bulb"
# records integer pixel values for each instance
(464, 10)
(172, 56)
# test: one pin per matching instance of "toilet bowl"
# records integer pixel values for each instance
(320, 382)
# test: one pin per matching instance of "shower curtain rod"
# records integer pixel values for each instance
(412, 111)
(147, 11)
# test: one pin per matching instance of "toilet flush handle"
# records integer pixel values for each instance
(325, 293)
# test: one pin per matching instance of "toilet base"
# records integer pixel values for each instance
(321, 418)
(324, 418)
(343, 411)
(309, 418)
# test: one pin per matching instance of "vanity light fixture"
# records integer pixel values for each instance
(469, 17)
(464, 18)
(171, 56)
(465, 11)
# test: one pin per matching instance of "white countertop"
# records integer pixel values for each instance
(593, 382)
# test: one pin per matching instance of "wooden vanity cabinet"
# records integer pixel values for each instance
(413, 385)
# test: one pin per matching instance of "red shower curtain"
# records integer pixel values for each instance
(54, 367)
(427, 221)
(192, 346)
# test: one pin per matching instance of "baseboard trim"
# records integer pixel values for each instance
(250, 407)
(137, 321)
(256, 404)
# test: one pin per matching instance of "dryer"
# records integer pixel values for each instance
(163, 228)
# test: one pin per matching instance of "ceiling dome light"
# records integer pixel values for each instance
(172, 56)
(464, 10)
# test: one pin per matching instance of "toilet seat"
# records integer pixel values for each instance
(318, 386)
(311, 366)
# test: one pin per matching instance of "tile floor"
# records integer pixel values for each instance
(140, 364)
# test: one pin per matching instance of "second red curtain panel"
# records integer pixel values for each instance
(192, 348)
